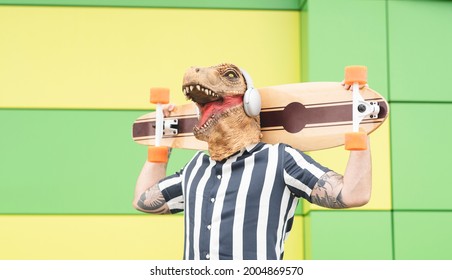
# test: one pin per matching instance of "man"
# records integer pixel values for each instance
(240, 200)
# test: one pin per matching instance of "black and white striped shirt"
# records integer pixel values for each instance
(241, 207)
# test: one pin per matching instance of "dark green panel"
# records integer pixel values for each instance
(423, 235)
(420, 50)
(347, 32)
(217, 4)
(349, 235)
(421, 139)
(70, 161)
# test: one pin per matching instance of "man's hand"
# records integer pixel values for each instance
(167, 109)
(349, 87)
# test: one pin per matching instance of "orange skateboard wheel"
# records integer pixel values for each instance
(355, 74)
(158, 154)
(159, 95)
(356, 141)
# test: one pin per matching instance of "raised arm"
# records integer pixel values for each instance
(148, 197)
(353, 189)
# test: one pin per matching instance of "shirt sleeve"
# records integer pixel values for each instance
(171, 188)
(301, 172)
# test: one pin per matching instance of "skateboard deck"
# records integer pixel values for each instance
(308, 116)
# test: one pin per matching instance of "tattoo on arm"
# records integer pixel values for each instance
(327, 191)
(152, 201)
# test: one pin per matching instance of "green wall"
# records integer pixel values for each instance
(407, 48)
(420, 64)
(71, 161)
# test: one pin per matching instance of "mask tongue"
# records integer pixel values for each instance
(218, 107)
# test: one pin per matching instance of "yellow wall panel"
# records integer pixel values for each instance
(336, 159)
(108, 237)
(88, 57)
(91, 237)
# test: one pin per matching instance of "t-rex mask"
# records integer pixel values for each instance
(218, 92)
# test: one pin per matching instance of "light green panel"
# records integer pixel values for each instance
(420, 50)
(304, 54)
(347, 32)
(421, 137)
(423, 235)
(70, 161)
(349, 235)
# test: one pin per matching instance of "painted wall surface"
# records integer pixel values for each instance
(108, 58)
(420, 55)
(405, 46)
(74, 78)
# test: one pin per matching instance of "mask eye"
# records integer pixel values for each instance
(231, 75)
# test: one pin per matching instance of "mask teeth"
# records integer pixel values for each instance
(188, 90)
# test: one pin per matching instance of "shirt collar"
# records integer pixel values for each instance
(249, 149)
(254, 147)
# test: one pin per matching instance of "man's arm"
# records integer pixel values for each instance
(353, 189)
(148, 197)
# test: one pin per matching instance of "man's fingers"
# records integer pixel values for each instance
(348, 87)
(167, 109)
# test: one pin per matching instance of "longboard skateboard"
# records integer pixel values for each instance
(308, 116)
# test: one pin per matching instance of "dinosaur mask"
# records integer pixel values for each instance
(218, 92)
